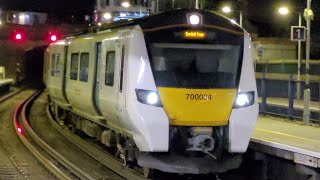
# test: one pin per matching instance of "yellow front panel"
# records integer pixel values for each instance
(197, 107)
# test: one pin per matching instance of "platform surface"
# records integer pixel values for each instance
(297, 104)
(287, 135)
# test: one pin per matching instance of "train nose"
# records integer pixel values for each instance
(197, 107)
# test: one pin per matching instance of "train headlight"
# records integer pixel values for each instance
(148, 97)
(244, 99)
(194, 19)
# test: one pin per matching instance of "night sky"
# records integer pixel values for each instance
(257, 9)
(53, 7)
(260, 13)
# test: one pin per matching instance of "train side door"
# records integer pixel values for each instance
(108, 77)
(98, 58)
(122, 59)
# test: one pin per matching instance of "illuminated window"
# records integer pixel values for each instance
(84, 67)
(110, 61)
(74, 66)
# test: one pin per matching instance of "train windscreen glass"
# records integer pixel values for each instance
(195, 65)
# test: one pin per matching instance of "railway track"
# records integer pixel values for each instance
(55, 161)
(24, 127)
(11, 94)
(15, 161)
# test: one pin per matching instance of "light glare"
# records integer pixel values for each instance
(53, 38)
(152, 98)
(194, 19)
(233, 21)
(107, 16)
(19, 130)
(283, 10)
(242, 100)
(125, 4)
(18, 36)
(226, 9)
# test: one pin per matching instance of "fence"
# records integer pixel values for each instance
(279, 95)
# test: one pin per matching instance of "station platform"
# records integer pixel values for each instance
(279, 106)
(287, 139)
(5, 85)
(297, 104)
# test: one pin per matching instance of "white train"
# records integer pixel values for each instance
(174, 91)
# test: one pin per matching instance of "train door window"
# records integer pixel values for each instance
(121, 70)
(110, 62)
(53, 64)
(84, 67)
(74, 66)
(57, 65)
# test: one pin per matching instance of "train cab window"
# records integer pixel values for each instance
(110, 62)
(195, 65)
(84, 67)
(74, 66)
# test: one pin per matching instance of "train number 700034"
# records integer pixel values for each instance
(198, 97)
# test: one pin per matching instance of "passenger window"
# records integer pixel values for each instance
(84, 67)
(53, 64)
(110, 61)
(57, 65)
(74, 66)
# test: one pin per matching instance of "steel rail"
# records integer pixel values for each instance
(54, 154)
(7, 96)
(58, 157)
(20, 132)
(106, 159)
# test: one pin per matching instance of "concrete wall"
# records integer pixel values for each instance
(274, 51)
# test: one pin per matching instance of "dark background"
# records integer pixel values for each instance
(260, 16)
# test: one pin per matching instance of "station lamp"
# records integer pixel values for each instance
(226, 9)
(283, 10)
(125, 4)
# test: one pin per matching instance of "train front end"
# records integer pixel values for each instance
(202, 69)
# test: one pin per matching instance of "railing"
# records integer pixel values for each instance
(280, 90)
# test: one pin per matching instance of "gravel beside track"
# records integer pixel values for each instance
(16, 162)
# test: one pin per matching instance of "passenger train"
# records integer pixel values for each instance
(174, 91)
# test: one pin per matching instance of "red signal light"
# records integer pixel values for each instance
(18, 36)
(52, 37)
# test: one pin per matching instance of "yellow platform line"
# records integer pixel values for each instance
(293, 136)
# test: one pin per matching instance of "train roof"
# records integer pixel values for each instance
(174, 17)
